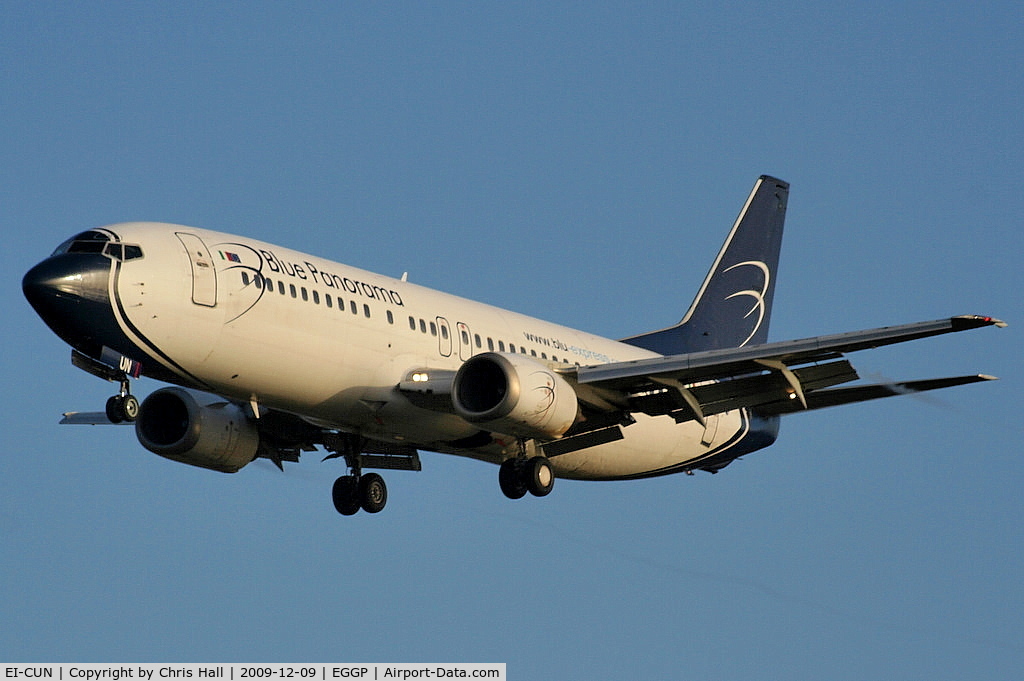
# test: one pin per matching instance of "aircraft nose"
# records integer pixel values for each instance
(69, 276)
(67, 290)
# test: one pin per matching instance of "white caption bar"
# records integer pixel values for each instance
(250, 672)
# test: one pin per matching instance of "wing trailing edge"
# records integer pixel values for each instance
(864, 393)
(716, 364)
(769, 379)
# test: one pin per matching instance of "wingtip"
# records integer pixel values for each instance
(975, 321)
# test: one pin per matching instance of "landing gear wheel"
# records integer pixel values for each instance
(114, 409)
(346, 495)
(130, 407)
(511, 479)
(121, 408)
(538, 476)
(373, 493)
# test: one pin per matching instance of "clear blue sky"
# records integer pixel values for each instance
(580, 163)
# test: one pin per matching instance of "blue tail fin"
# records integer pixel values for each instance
(734, 305)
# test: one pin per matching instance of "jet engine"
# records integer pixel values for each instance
(515, 395)
(198, 429)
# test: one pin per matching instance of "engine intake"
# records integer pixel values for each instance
(515, 395)
(198, 429)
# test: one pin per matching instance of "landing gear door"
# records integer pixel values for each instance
(204, 274)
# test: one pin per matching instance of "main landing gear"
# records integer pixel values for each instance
(123, 407)
(358, 490)
(352, 492)
(517, 476)
(521, 475)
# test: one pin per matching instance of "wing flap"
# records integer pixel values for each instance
(774, 378)
(715, 397)
(864, 393)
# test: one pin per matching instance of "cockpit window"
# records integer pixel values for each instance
(86, 242)
(98, 242)
(123, 251)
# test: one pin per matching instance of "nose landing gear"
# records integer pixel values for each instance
(122, 407)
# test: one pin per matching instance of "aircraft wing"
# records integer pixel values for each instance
(773, 378)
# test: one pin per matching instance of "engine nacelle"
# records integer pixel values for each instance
(515, 395)
(198, 429)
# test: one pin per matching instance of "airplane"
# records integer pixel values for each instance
(271, 353)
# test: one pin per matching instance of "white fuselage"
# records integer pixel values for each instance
(266, 325)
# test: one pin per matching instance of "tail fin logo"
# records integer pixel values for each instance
(760, 305)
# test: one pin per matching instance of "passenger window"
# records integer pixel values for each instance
(433, 329)
(316, 297)
(291, 288)
(490, 344)
(305, 294)
(501, 346)
(412, 323)
(391, 317)
(280, 287)
(366, 311)
(352, 307)
(329, 300)
(476, 338)
(423, 326)
(444, 332)
(245, 278)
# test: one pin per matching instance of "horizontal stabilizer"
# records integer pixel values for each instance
(89, 418)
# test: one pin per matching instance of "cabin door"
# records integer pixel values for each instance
(204, 274)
